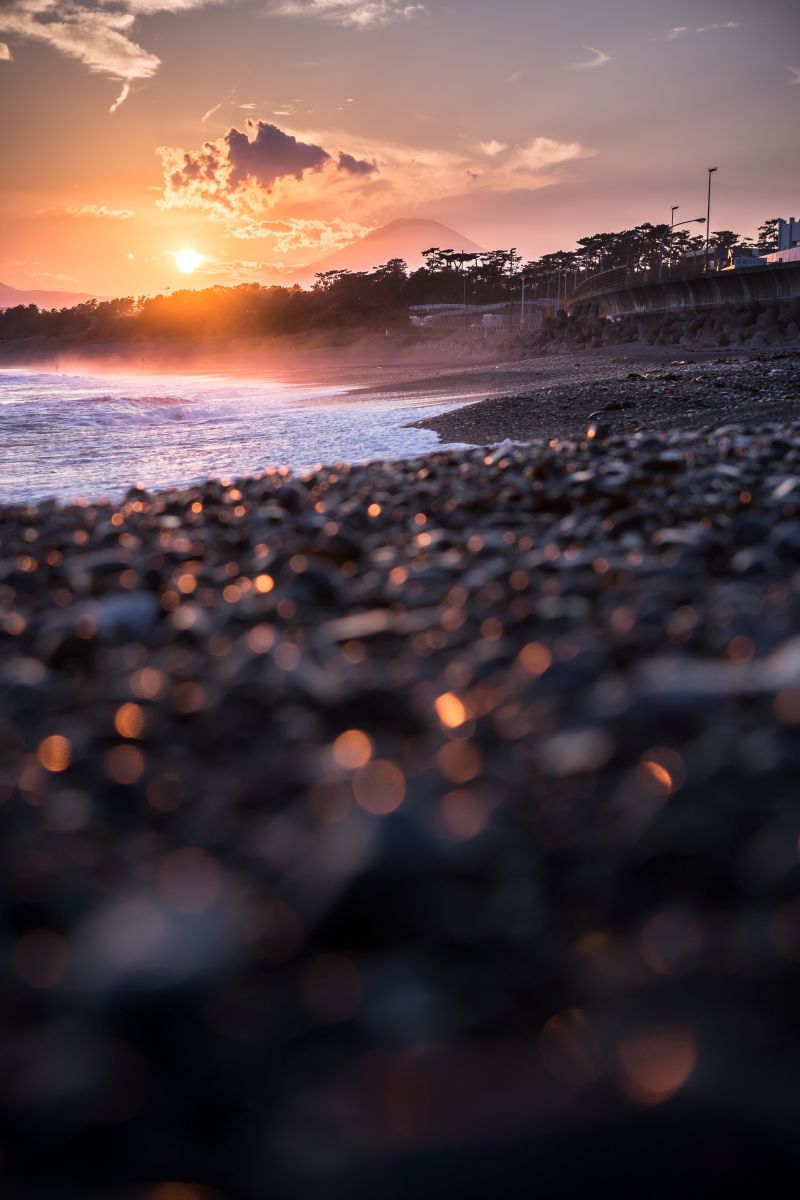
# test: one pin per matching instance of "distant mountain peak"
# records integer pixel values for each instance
(412, 223)
(405, 237)
(10, 297)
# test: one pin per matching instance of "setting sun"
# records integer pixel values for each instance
(188, 261)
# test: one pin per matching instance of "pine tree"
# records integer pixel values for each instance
(768, 236)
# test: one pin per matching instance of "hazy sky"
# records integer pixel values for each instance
(265, 133)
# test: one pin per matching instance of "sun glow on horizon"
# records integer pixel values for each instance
(188, 261)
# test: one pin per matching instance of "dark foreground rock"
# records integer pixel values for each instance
(426, 829)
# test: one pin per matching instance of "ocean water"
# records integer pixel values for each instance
(91, 436)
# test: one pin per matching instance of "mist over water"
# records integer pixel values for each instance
(92, 436)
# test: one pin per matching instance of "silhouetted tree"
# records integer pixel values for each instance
(768, 236)
(364, 300)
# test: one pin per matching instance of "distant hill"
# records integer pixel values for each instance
(399, 239)
(10, 297)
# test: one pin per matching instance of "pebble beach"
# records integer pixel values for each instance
(419, 828)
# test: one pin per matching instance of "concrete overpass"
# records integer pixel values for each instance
(618, 293)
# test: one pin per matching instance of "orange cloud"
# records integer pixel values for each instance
(287, 190)
(241, 177)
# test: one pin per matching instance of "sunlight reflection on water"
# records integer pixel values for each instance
(83, 435)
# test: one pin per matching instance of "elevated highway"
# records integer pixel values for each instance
(618, 293)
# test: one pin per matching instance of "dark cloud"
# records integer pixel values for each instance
(356, 166)
(270, 155)
(238, 177)
(198, 165)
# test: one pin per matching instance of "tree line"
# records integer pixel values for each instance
(354, 301)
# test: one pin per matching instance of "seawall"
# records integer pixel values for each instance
(759, 284)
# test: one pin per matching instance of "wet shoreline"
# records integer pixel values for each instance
(633, 393)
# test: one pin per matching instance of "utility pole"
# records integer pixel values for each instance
(711, 171)
(673, 210)
(464, 297)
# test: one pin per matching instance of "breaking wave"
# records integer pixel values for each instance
(71, 435)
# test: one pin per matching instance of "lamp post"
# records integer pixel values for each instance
(711, 171)
(676, 225)
(464, 258)
(673, 210)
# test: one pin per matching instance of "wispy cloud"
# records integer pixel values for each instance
(284, 108)
(99, 33)
(795, 80)
(493, 148)
(364, 14)
(599, 59)
(541, 154)
(679, 31)
(100, 212)
(59, 277)
(5, 53)
(212, 111)
(121, 98)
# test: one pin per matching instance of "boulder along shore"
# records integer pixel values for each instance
(419, 828)
(757, 325)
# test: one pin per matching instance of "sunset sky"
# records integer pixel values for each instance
(263, 134)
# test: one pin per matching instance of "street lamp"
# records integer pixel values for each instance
(673, 210)
(677, 224)
(522, 305)
(711, 171)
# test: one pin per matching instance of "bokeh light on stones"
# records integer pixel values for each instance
(379, 787)
(352, 749)
(55, 753)
(125, 764)
(450, 710)
(129, 721)
(656, 1064)
(465, 828)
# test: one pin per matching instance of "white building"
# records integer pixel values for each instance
(788, 243)
(788, 234)
(783, 256)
